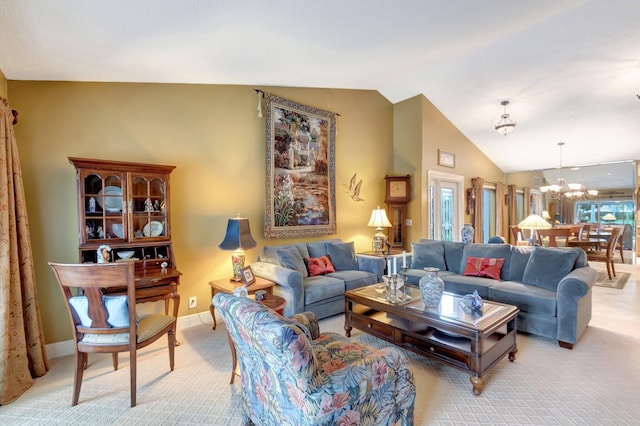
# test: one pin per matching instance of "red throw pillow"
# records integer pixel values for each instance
(319, 265)
(489, 267)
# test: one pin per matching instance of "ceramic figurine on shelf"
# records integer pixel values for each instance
(99, 232)
(103, 253)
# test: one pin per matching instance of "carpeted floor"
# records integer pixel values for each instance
(616, 282)
(595, 383)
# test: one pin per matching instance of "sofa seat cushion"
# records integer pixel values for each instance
(527, 298)
(321, 287)
(354, 279)
(462, 284)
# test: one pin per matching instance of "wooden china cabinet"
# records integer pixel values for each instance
(126, 206)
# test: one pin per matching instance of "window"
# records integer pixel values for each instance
(489, 212)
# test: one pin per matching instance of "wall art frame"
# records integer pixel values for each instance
(446, 159)
(300, 169)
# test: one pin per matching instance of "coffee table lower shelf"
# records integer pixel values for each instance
(467, 347)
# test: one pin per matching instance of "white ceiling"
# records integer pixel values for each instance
(570, 68)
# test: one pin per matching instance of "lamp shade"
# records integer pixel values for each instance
(608, 216)
(379, 218)
(238, 235)
(534, 221)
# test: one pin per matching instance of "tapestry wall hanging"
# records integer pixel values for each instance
(300, 179)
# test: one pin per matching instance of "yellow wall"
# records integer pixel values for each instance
(213, 136)
(523, 179)
(420, 129)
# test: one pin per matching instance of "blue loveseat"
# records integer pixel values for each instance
(321, 294)
(550, 286)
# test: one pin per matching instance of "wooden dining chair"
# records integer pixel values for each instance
(553, 234)
(516, 234)
(107, 323)
(607, 255)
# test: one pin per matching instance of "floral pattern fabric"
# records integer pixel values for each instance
(289, 378)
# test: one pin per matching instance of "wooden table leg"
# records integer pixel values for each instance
(212, 308)
(234, 359)
(478, 384)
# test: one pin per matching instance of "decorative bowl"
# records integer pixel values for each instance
(118, 230)
(125, 254)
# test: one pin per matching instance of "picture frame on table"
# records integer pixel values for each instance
(446, 159)
(247, 276)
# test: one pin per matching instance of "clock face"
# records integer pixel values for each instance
(397, 189)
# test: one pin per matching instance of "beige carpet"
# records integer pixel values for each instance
(596, 383)
(615, 282)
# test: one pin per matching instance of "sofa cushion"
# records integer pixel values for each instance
(453, 252)
(343, 256)
(527, 298)
(319, 265)
(354, 279)
(428, 254)
(320, 288)
(502, 251)
(484, 267)
(290, 257)
(548, 265)
(519, 257)
(319, 248)
(462, 284)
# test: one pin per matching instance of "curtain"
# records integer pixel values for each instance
(22, 348)
(478, 220)
(502, 228)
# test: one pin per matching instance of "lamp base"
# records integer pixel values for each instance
(379, 241)
(237, 260)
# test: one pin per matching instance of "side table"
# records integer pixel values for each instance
(271, 301)
(225, 285)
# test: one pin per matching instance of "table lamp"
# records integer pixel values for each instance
(608, 218)
(534, 222)
(237, 239)
(379, 220)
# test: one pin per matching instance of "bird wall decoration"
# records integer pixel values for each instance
(354, 188)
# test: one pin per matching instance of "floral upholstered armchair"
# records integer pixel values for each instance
(293, 375)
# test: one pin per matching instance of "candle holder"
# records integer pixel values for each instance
(395, 288)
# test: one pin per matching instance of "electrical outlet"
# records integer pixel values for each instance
(408, 222)
(193, 302)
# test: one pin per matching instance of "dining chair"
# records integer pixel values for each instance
(607, 255)
(516, 234)
(584, 233)
(106, 322)
(553, 234)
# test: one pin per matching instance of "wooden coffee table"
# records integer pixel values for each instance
(470, 342)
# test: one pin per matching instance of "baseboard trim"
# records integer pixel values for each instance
(64, 348)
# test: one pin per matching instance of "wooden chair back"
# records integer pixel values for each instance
(609, 255)
(553, 234)
(96, 334)
(516, 234)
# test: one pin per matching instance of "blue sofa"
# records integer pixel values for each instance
(550, 286)
(321, 294)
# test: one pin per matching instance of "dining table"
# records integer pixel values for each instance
(588, 243)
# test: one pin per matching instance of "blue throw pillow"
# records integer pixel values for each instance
(117, 309)
(547, 266)
(290, 257)
(428, 253)
(343, 256)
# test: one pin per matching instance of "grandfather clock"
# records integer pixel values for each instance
(397, 198)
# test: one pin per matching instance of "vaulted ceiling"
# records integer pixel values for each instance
(570, 68)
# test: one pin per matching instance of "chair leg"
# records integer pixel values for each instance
(621, 253)
(609, 268)
(171, 336)
(133, 362)
(81, 360)
(114, 357)
(613, 268)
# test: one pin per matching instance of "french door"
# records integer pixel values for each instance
(445, 206)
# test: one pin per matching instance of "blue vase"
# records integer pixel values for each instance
(431, 288)
(467, 233)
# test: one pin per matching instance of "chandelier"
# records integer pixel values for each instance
(567, 190)
(505, 125)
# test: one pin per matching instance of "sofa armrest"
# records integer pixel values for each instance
(288, 285)
(373, 264)
(574, 303)
(309, 320)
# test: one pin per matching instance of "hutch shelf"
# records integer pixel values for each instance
(126, 206)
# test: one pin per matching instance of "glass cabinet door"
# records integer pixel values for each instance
(104, 212)
(149, 207)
